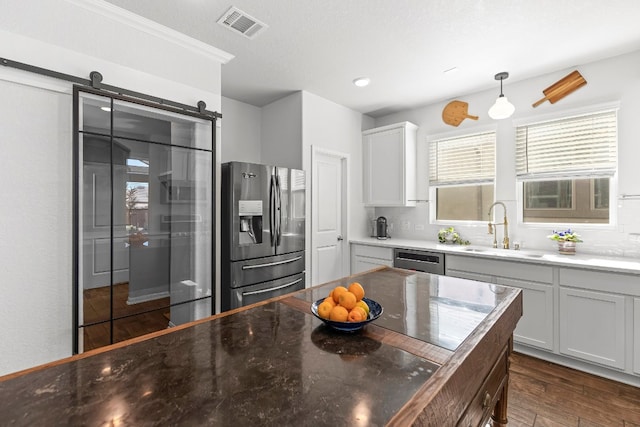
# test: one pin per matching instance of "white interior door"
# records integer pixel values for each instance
(328, 217)
(97, 241)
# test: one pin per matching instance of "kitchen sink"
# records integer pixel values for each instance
(533, 255)
(501, 253)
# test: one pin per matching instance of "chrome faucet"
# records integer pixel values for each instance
(505, 223)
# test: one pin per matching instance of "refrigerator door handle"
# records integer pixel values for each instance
(271, 264)
(272, 211)
(262, 291)
(279, 210)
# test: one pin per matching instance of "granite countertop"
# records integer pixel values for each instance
(274, 363)
(586, 261)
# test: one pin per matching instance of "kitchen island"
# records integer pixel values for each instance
(438, 355)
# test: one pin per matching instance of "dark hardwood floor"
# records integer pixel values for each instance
(133, 320)
(544, 394)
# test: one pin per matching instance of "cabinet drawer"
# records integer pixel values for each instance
(510, 269)
(373, 252)
(618, 283)
(483, 402)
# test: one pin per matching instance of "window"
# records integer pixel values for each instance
(461, 175)
(565, 168)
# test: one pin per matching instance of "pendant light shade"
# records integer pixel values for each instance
(502, 108)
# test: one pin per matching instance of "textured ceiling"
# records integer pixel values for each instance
(402, 45)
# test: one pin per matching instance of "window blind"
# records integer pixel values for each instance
(583, 145)
(462, 160)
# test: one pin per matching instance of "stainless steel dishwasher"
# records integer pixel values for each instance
(425, 261)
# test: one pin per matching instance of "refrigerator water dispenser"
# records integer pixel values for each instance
(250, 212)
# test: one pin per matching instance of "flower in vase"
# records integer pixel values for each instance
(565, 236)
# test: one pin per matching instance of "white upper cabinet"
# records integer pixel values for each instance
(389, 165)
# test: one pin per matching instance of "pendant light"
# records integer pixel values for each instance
(502, 108)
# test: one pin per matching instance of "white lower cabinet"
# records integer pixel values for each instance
(535, 327)
(585, 318)
(365, 257)
(592, 326)
(636, 335)
(595, 322)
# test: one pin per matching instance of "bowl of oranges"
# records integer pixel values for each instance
(346, 309)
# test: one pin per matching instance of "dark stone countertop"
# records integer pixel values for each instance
(269, 364)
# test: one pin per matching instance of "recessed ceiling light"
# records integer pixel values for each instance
(362, 81)
(107, 109)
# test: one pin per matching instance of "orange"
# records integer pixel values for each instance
(330, 300)
(324, 309)
(362, 310)
(336, 293)
(347, 300)
(363, 305)
(339, 314)
(357, 289)
(357, 315)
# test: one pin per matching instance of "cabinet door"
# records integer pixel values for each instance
(636, 335)
(592, 326)
(384, 152)
(389, 165)
(535, 327)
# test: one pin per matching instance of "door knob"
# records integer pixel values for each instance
(340, 238)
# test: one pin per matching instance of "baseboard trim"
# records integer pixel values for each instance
(147, 297)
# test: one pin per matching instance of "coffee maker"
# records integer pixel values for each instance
(382, 231)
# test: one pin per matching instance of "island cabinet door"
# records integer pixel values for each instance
(592, 326)
(479, 410)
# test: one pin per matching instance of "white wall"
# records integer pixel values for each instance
(241, 131)
(35, 231)
(282, 132)
(614, 79)
(128, 50)
(73, 37)
(334, 127)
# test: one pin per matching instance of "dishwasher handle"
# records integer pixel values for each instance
(419, 257)
(424, 261)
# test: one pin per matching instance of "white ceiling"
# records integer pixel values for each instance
(404, 46)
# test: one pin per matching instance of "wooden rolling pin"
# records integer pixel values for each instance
(562, 88)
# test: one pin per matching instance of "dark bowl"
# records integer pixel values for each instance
(375, 310)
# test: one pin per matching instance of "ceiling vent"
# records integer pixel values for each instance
(238, 21)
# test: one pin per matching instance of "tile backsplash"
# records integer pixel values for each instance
(622, 240)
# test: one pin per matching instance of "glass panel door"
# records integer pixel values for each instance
(145, 220)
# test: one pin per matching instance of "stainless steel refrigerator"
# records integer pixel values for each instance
(263, 232)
